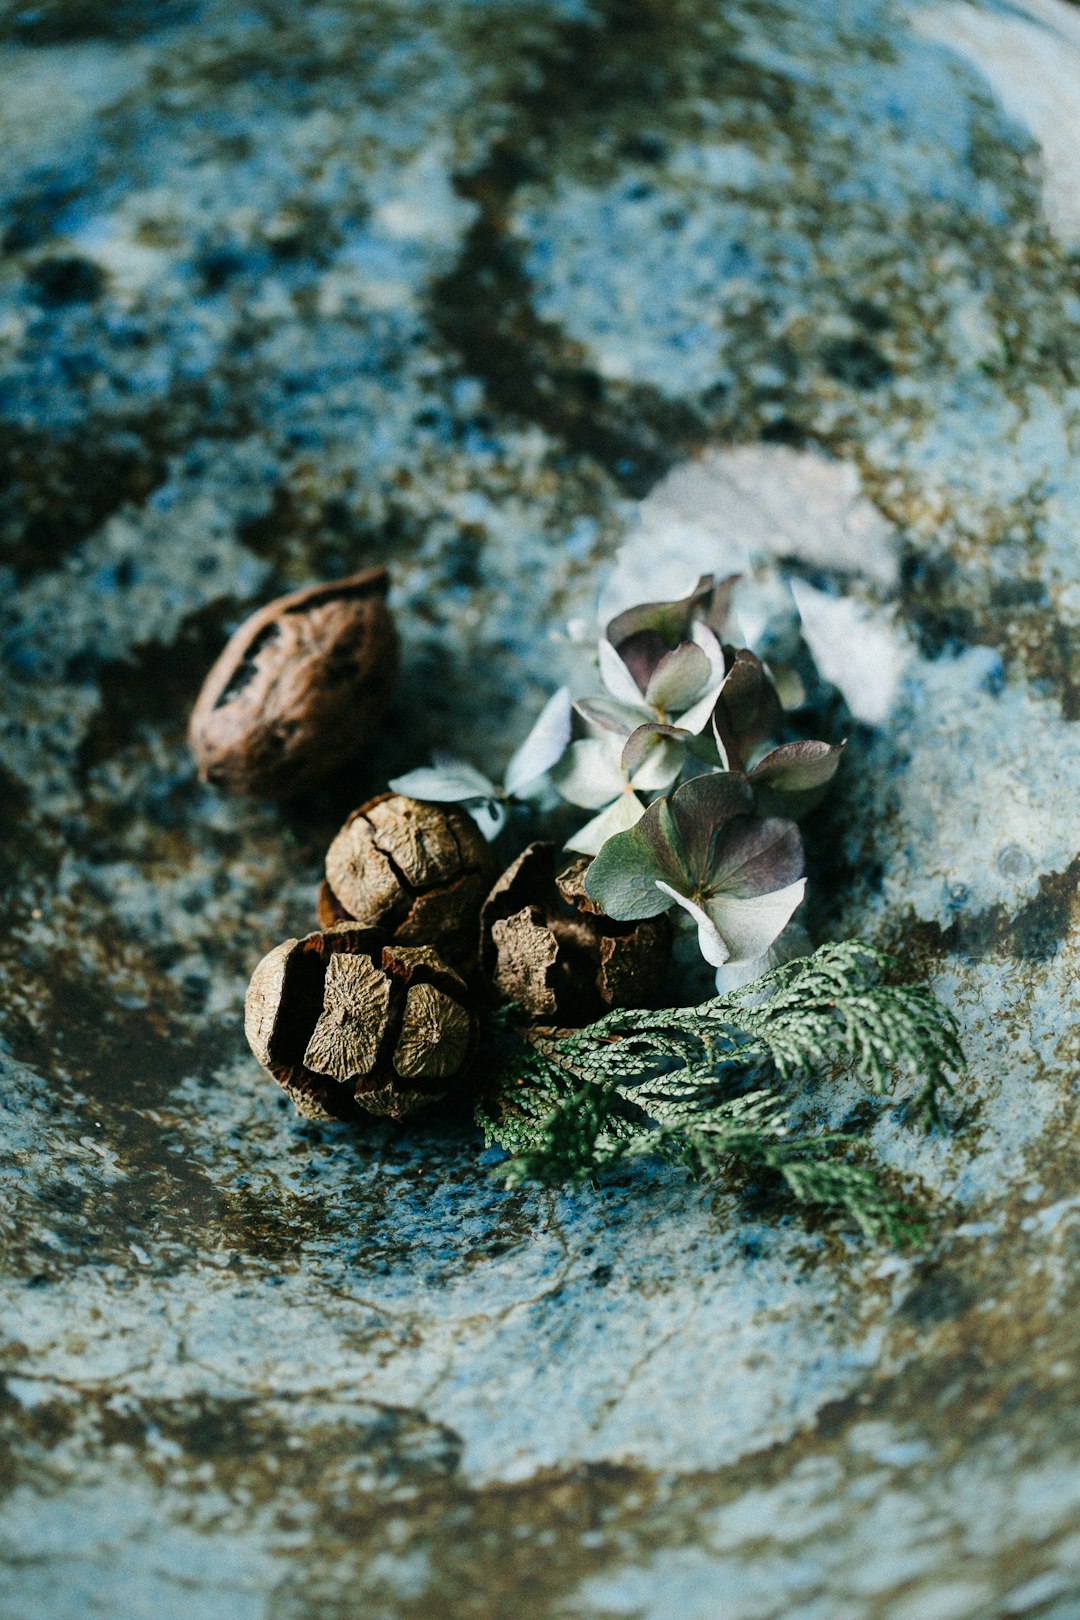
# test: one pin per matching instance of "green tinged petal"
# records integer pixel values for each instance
(671, 620)
(653, 756)
(678, 678)
(623, 877)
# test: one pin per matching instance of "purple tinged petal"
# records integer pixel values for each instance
(641, 653)
(748, 704)
(717, 609)
(670, 620)
(751, 856)
(699, 808)
(798, 767)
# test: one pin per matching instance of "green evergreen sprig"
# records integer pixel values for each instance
(705, 1086)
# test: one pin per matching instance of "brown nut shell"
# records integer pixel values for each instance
(298, 689)
(350, 1023)
(418, 871)
(545, 945)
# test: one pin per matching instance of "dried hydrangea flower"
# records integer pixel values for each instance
(606, 773)
(418, 871)
(350, 1023)
(548, 947)
(298, 689)
(661, 662)
(675, 696)
(738, 875)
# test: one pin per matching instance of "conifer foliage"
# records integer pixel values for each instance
(729, 1082)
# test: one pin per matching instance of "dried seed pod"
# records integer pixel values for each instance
(418, 871)
(349, 1022)
(298, 689)
(547, 946)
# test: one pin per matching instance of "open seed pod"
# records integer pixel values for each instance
(349, 1022)
(547, 946)
(418, 871)
(298, 689)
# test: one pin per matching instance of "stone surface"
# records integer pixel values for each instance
(288, 291)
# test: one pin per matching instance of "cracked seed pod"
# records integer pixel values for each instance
(547, 946)
(298, 689)
(351, 1023)
(418, 871)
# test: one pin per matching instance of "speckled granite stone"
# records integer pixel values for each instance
(526, 300)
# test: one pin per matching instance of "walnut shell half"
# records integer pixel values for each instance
(418, 871)
(349, 1023)
(298, 689)
(546, 945)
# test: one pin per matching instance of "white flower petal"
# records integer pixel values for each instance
(697, 718)
(602, 714)
(619, 817)
(733, 975)
(448, 781)
(544, 746)
(749, 926)
(793, 942)
(489, 815)
(754, 608)
(710, 944)
(616, 677)
(710, 646)
(860, 650)
(589, 773)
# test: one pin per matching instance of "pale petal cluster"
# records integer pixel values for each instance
(680, 763)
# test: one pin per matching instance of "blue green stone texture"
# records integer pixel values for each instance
(528, 301)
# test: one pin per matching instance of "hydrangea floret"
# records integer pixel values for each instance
(450, 780)
(681, 762)
(739, 876)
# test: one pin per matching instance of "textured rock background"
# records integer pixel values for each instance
(285, 290)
